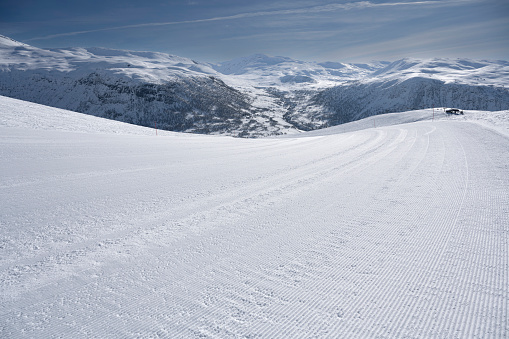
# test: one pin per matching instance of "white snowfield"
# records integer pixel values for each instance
(109, 231)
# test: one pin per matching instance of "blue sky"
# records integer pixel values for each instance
(219, 30)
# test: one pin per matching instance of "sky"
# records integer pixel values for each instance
(312, 30)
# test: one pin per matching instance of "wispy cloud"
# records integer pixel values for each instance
(289, 35)
(308, 10)
(464, 37)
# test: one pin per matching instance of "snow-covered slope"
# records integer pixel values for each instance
(253, 96)
(392, 232)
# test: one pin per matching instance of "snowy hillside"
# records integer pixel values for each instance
(143, 88)
(407, 84)
(343, 104)
(109, 231)
(253, 96)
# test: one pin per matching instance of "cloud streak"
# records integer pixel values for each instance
(295, 11)
(431, 43)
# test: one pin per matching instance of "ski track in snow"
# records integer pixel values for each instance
(391, 232)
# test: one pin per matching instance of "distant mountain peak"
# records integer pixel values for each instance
(6, 41)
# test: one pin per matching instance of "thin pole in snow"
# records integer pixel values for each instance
(433, 113)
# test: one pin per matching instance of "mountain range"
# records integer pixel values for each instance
(253, 96)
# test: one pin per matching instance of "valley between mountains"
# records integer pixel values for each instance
(255, 96)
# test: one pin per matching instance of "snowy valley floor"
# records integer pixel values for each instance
(108, 231)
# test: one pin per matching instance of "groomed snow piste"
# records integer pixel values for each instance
(373, 229)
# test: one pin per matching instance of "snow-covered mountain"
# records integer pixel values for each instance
(345, 103)
(406, 84)
(143, 88)
(277, 71)
(252, 96)
(460, 71)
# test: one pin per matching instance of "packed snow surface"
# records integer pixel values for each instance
(395, 230)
